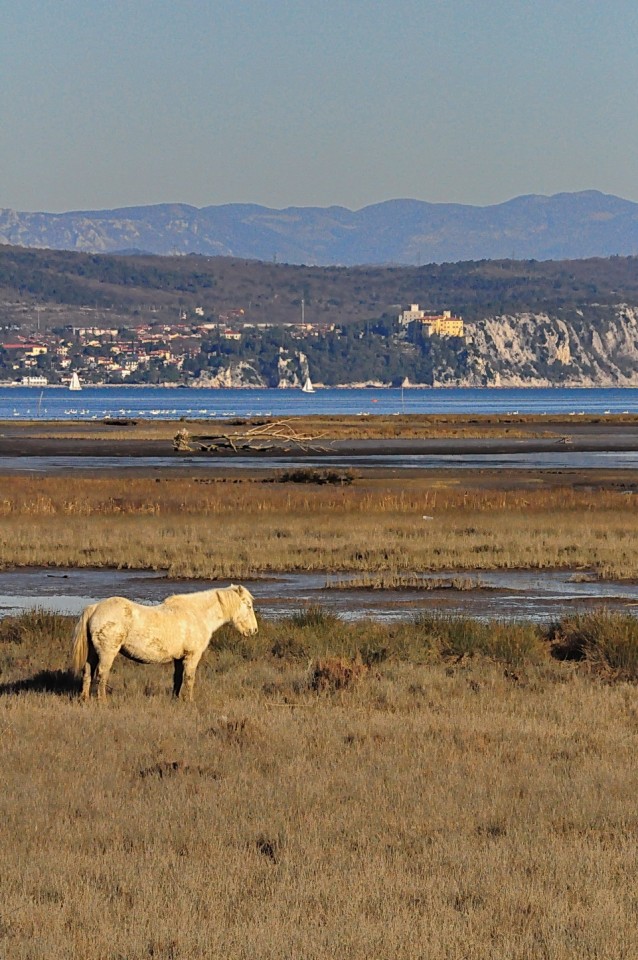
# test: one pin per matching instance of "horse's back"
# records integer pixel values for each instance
(114, 607)
(112, 617)
(149, 633)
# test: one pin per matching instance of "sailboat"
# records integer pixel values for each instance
(307, 386)
(75, 383)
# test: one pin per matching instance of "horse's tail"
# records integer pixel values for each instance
(80, 650)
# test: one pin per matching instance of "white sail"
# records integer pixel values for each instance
(75, 383)
(308, 387)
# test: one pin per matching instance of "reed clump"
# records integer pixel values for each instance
(36, 629)
(405, 581)
(505, 641)
(340, 478)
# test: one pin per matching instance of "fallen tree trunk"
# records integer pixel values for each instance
(279, 435)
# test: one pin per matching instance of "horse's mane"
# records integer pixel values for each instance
(231, 597)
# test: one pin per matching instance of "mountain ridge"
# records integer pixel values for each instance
(399, 231)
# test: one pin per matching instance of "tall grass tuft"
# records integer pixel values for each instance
(605, 639)
(315, 616)
(312, 631)
(35, 628)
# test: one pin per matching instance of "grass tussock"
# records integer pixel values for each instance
(452, 807)
(608, 641)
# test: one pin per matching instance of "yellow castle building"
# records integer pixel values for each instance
(442, 324)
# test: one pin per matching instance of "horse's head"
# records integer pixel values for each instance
(243, 617)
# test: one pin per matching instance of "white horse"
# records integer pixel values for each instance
(179, 629)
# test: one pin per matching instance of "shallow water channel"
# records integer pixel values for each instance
(508, 595)
(564, 459)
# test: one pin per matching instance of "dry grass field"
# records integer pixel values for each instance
(449, 789)
(469, 808)
(202, 527)
(337, 427)
(342, 427)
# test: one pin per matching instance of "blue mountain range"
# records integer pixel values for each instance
(563, 226)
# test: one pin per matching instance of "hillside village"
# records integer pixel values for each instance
(185, 351)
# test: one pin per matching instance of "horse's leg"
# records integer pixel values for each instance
(103, 671)
(190, 666)
(89, 672)
(178, 676)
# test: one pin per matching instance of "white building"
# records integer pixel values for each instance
(34, 382)
(414, 313)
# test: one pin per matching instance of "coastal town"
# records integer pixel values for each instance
(172, 353)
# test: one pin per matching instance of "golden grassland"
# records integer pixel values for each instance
(197, 527)
(471, 797)
(452, 808)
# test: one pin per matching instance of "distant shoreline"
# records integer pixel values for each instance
(320, 388)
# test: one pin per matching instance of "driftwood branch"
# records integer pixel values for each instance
(278, 435)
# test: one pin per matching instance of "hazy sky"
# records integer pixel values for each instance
(111, 103)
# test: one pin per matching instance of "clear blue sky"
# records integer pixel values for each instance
(119, 102)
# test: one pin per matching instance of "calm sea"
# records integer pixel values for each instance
(164, 403)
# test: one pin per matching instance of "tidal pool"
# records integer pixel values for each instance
(535, 595)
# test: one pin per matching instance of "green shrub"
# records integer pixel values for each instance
(510, 642)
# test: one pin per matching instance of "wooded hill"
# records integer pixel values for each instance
(128, 290)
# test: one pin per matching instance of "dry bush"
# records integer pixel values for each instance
(337, 673)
